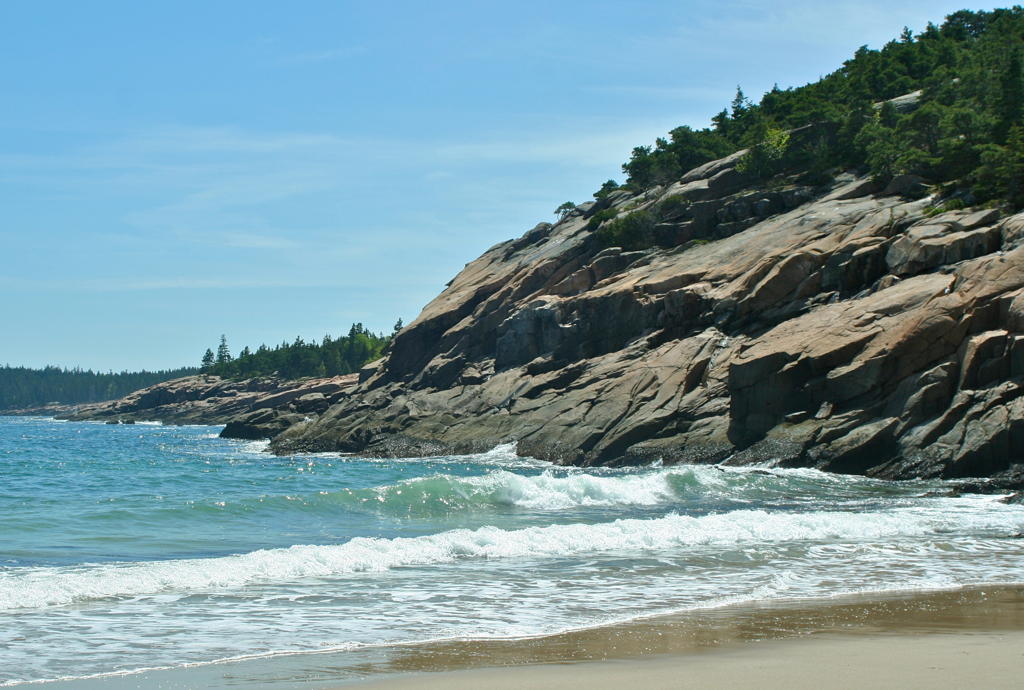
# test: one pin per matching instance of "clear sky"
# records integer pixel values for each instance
(174, 171)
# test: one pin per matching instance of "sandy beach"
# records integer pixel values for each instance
(935, 640)
(932, 661)
(930, 640)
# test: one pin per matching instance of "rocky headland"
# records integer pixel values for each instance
(845, 327)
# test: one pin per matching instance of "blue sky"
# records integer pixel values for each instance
(266, 170)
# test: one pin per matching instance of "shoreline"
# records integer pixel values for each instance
(712, 644)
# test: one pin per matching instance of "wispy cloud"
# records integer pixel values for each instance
(226, 208)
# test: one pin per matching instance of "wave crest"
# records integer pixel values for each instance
(41, 587)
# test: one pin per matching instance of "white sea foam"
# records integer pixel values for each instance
(505, 454)
(502, 455)
(548, 491)
(557, 489)
(41, 587)
(253, 447)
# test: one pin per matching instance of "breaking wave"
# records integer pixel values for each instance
(42, 587)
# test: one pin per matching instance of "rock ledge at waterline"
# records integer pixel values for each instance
(258, 408)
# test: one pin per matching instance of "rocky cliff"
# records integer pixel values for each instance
(843, 327)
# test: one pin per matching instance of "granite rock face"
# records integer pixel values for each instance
(842, 328)
(252, 409)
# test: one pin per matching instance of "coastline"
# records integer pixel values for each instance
(936, 639)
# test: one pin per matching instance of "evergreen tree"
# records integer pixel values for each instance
(606, 189)
(740, 104)
(223, 353)
(1011, 96)
(639, 168)
(208, 359)
(565, 209)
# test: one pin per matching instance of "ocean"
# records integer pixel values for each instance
(133, 547)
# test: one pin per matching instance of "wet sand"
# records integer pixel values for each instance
(936, 640)
(976, 610)
(838, 662)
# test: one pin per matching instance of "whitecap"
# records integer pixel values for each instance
(42, 587)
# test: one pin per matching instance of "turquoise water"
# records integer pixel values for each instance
(143, 546)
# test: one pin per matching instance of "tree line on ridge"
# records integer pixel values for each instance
(966, 133)
(331, 357)
(21, 387)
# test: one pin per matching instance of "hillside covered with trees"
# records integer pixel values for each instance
(21, 387)
(331, 357)
(964, 131)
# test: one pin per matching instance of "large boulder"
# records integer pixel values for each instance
(262, 424)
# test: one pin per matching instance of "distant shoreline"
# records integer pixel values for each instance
(41, 411)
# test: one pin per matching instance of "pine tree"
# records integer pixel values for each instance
(565, 209)
(1012, 168)
(223, 353)
(740, 104)
(1011, 97)
(208, 359)
(606, 189)
(639, 168)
